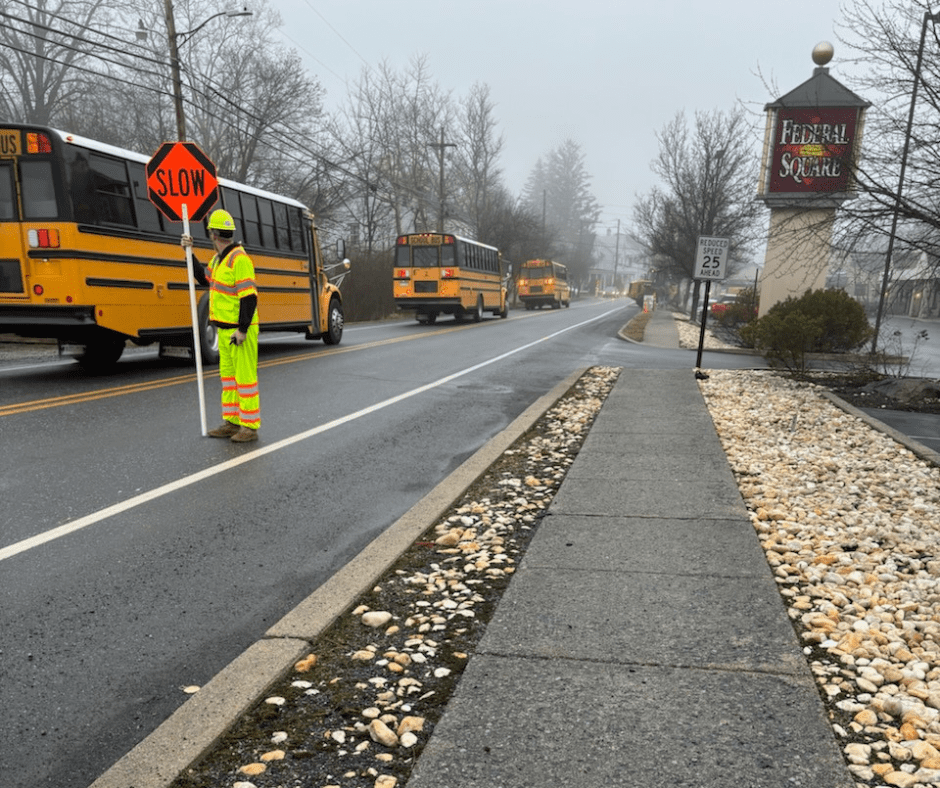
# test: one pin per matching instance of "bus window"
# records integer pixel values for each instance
(266, 211)
(283, 230)
(7, 194)
(231, 204)
(38, 190)
(112, 191)
(251, 226)
(447, 255)
(148, 217)
(296, 223)
(426, 256)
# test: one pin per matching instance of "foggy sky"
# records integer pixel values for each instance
(607, 73)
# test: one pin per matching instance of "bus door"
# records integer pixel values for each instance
(13, 277)
(313, 272)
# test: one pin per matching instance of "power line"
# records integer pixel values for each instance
(293, 150)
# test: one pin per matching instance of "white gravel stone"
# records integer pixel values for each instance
(847, 518)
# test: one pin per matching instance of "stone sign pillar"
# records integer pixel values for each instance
(811, 146)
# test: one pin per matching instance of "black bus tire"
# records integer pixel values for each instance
(208, 334)
(334, 323)
(101, 354)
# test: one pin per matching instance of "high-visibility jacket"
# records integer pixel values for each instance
(231, 278)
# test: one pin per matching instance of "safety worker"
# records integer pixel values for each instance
(233, 310)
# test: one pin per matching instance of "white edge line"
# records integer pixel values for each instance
(158, 492)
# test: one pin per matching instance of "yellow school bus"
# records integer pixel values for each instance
(444, 274)
(544, 282)
(86, 258)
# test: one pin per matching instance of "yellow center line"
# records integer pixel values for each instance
(135, 388)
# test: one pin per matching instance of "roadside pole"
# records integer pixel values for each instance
(711, 263)
(194, 313)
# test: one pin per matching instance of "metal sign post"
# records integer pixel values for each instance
(710, 264)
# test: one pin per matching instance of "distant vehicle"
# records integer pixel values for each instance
(544, 283)
(639, 289)
(444, 274)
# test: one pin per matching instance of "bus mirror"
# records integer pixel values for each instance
(341, 249)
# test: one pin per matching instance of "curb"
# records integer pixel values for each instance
(195, 727)
(918, 449)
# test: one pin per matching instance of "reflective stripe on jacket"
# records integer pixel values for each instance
(231, 278)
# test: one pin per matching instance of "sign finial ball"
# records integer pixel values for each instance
(822, 53)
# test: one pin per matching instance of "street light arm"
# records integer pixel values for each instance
(174, 41)
(230, 14)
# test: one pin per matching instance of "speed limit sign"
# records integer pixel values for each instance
(712, 258)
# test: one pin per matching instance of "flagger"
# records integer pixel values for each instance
(233, 310)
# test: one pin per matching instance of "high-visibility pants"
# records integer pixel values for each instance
(238, 369)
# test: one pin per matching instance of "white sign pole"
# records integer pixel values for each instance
(197, 347)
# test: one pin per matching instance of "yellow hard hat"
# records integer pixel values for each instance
(221, 220)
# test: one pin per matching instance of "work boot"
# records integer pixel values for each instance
(225, 430)
(245, 435)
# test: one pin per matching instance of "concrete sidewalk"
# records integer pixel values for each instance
(643, 641)
(661, 330)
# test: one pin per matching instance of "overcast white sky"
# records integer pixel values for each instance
(607, 73)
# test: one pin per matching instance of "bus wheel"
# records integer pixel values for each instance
(208, 333)
(102, 354)
(335, 322)
(478, 312)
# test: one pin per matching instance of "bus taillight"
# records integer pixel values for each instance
(38, 290)
(447, 273)
(402, 273)
(37, 142)
(43, 239)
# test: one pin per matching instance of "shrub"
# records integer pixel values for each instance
(821, 321)
(367, 290)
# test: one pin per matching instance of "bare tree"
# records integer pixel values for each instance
(50, 54)
(709, 177)
(886, 39)
(478, 177)
(392, 123)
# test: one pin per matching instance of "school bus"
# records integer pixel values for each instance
(86, 258)
(544, 282)
(639, 289)
(444, 274)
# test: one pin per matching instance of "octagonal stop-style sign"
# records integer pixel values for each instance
(179, 174)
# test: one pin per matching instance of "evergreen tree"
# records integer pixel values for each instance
(558, 189)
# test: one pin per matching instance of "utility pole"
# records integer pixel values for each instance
(175, 71)
(616, 252)
(440, 155)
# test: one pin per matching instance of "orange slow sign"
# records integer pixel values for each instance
(179, 174)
